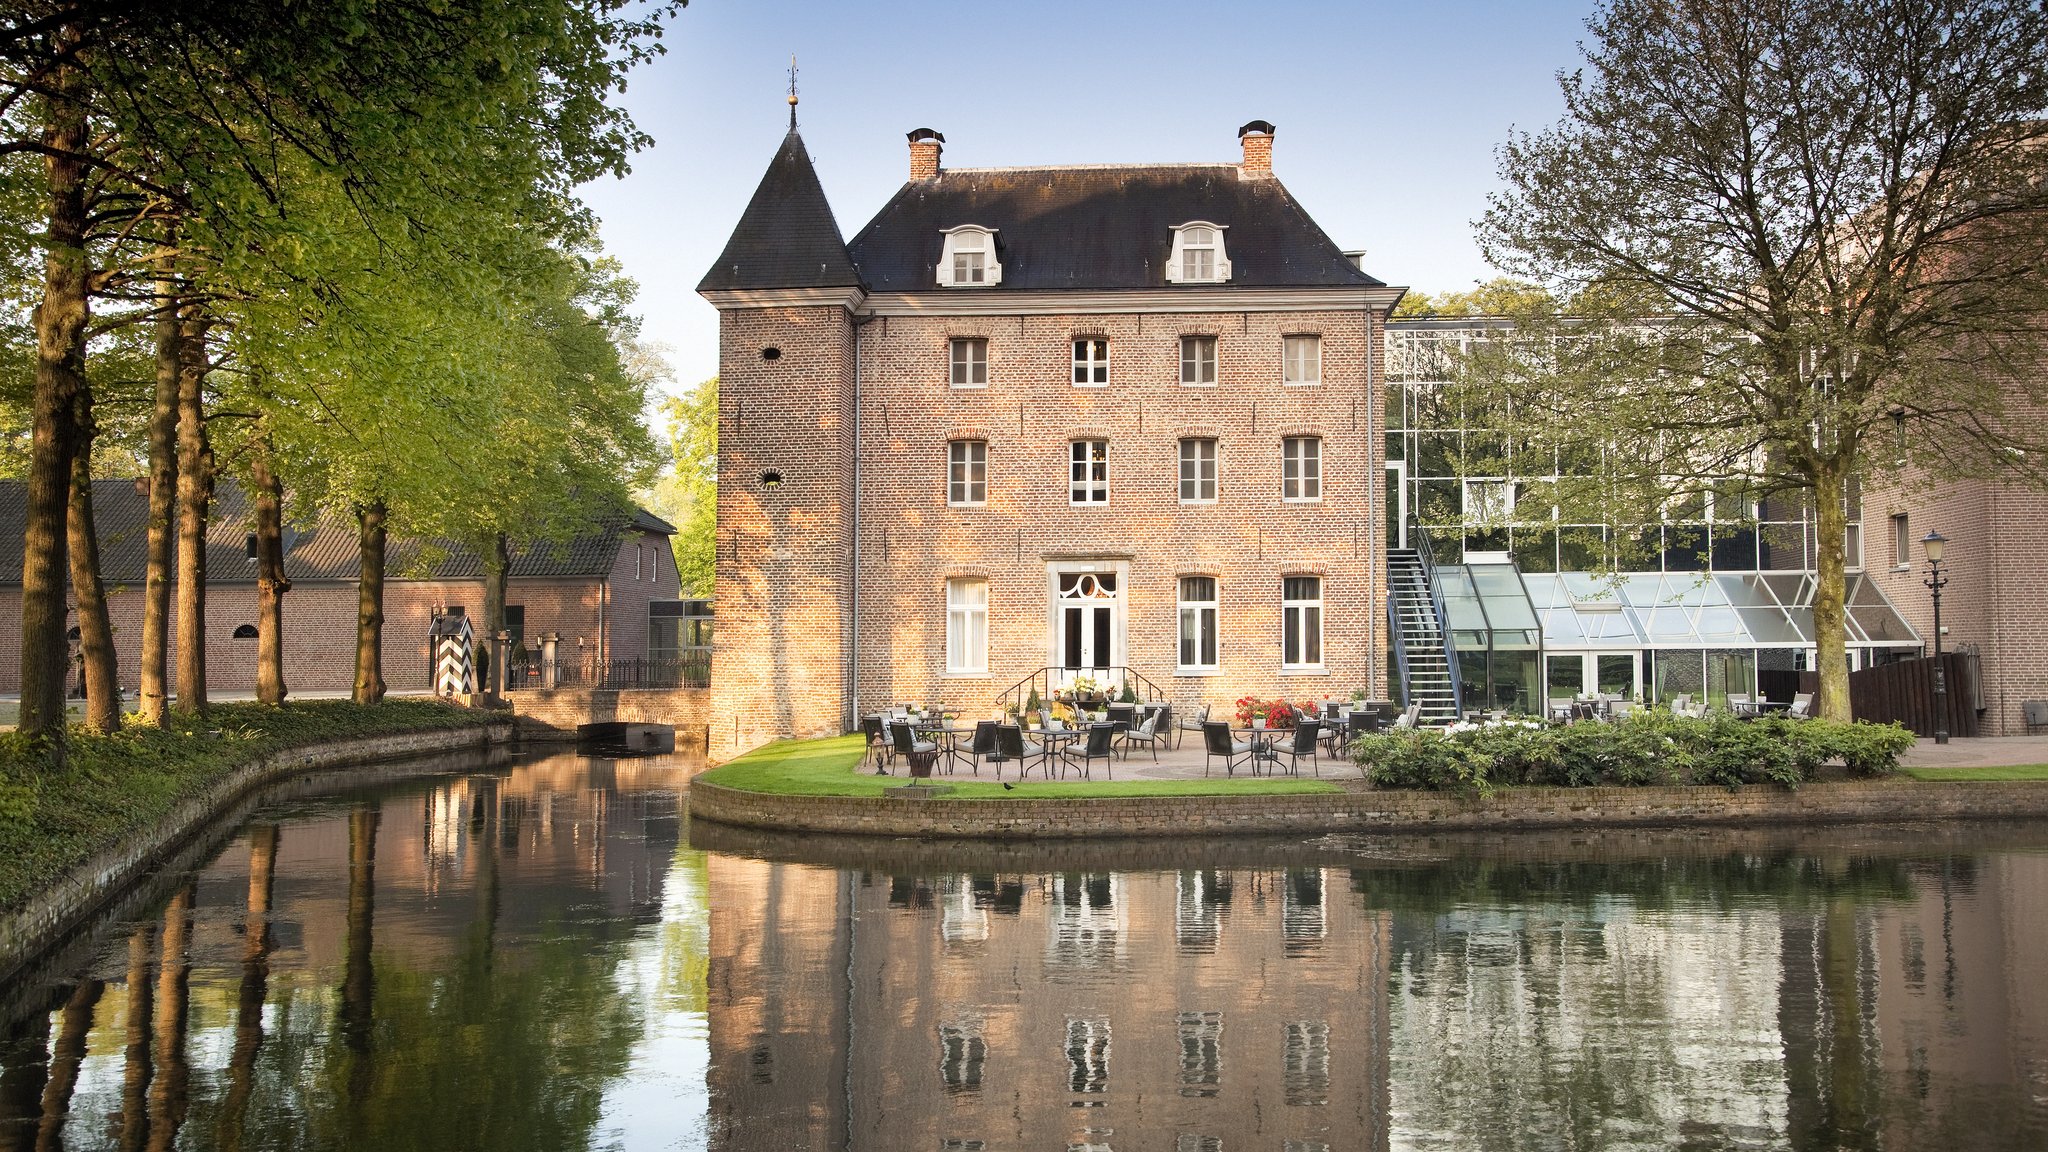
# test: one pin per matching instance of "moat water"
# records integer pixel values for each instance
(544, 955)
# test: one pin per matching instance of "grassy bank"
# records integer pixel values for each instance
(113, 786)
(1979, 772)
(831, 767)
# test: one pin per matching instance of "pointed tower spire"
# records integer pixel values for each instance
(787, 237)
(792, 91)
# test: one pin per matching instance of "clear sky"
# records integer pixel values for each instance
(1387, 115)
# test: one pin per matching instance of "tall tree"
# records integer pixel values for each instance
(1832, 209)
(687, 493)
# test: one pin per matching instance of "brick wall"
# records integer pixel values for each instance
(784, 552)
(1029, 412)
(1369, 810)
(1997, 567)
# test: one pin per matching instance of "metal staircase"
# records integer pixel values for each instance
(1424, 655)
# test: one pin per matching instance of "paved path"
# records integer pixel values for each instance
(1978, 751)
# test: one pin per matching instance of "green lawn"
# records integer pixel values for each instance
(1980, 772)
(830, 767)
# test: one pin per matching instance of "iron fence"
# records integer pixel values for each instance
(690, 670)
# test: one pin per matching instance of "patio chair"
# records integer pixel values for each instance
(1330, 709)
(2035, 713)
(1303, 744)
(904, 739)
(984, 746)
(1216, 742)
(1011, 745)
(1194, 723)
(1410, 718)
(1101, 746)
(1740, 704)
(1802, 706)
(878, 741)
(1147, 734)
(1560, 707)
(1124, 714)
(1619, 709)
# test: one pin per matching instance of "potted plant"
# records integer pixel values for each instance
(1259, 718)
(1032, 703)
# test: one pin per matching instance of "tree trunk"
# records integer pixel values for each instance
(163, 498)
(60, 320)
(271, 584)
(195, 495)
(497, 560)
(95, 630)
(1830, 633)
(370, 604)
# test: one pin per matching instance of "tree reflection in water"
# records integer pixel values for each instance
(528, 959)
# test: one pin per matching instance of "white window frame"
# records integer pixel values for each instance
(1301, 625)
(1301, 469)
(1091, 361)
(1192, 470)
(1301, 359)
(967, 362)
(1188, 238)
(1087, 472)
(966, 471)
(961, 241)
(1202, 615)
(1192, 363)
(966, 626)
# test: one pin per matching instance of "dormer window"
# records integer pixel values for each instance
(969, 259)
(1197, 256)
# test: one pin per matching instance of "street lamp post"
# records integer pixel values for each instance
(1932, 544)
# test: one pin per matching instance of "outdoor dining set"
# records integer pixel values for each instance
(1614, 707)
(926, 742)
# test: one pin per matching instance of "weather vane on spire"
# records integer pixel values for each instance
(792, 91)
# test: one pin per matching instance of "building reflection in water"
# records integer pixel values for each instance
(1199, 1009)
(1776, 1001)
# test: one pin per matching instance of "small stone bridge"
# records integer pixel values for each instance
(557, 713)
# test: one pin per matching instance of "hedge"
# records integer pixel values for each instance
(1644, 748)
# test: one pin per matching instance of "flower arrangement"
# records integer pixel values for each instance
(1276, 713)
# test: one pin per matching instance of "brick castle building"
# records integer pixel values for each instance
(1112, 421)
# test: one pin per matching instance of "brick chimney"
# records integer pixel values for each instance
(1257, 138)
(925, 146)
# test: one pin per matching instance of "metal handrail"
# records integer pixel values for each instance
(1400, 646)
(1443, 617)
(1116, 675)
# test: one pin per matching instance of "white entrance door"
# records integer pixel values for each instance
(1088, 621)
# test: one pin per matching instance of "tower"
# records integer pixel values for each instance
(785, 290)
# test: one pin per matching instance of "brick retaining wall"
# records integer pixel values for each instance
(1369, 811)
(553, 714)
(30, 928)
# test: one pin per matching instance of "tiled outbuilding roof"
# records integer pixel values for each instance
(786, 238)
(323, 550)
(1098, 226)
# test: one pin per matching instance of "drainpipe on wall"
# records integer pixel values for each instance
(1374, 541)
(851, 720)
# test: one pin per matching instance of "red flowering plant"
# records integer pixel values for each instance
(1276, 713)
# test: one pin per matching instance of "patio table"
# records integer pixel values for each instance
(947, 737)
(1261, 740)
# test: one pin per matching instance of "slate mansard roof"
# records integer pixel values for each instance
(1057, 228)
(1097, 227)
(324, 550)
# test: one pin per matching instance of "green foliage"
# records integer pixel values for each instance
(1645, 748)
(1032, 703)
(687, 493)
(114, 786)
(1501, 296)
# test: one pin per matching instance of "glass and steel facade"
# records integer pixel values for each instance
(1718, 590)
